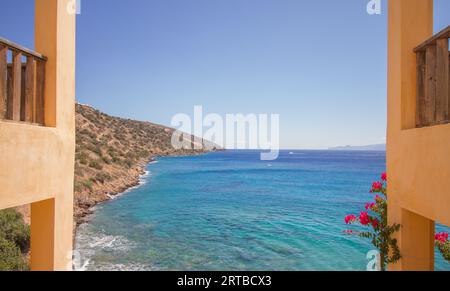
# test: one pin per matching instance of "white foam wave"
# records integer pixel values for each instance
(88, 244)
(123, 267)
(109, 242)
(143, 179)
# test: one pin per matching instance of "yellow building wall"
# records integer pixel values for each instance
(418, 159)
(37, 163)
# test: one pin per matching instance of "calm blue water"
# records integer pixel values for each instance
(231, 211)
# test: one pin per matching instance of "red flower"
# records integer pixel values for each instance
(364, 218)
(376, 187)
(375, 223)
(370, 206)
(349, 219)
(378, 198)
(441, 237)
(384, 176)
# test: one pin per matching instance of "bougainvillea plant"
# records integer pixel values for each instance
(375, 218)
(443, 245)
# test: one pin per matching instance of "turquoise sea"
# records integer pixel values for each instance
(231, 211)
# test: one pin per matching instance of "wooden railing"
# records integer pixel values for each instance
(433, 80)
(22, 80)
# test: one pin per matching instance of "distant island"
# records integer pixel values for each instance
(374, 147)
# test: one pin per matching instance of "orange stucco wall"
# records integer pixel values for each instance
(37, 163)
(418, 160)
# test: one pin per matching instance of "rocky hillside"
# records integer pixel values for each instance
(111, 154)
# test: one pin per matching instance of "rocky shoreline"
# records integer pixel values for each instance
(83, 211)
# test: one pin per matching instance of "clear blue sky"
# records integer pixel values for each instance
(320, 64)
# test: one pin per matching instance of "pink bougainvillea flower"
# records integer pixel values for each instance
(364, 218)
(376, 187)
(441, 237)
(384, 176)
(370, 206)
(349, 231)
(378, 198)
(375, 223)
(350, 219)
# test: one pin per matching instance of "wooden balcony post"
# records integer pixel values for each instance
(22, 92)
(430, 85)
(420, 106)
(29, 100)
(16, 93)
(442, 80)
(3, 80)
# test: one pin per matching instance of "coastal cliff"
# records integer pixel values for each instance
(112, 153)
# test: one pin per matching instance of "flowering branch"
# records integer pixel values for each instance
(443, 245)
(375, 217)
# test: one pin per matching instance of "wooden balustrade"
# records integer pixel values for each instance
(22, 80)
(433, 80)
